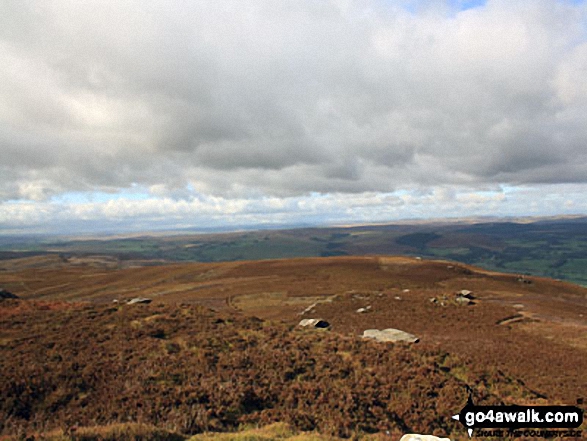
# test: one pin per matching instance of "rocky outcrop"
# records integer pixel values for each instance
(390, 335)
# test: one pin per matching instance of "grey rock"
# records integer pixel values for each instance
(314, 323)
(138, 300)
(390, 335)
(462, 300)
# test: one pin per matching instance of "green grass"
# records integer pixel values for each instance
(547, 249)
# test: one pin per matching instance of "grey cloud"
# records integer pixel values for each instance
(287, 98)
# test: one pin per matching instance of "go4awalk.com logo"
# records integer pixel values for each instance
(536, 421)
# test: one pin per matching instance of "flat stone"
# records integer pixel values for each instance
(390, 335)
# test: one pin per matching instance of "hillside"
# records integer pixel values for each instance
(219, 346)
(549, 247)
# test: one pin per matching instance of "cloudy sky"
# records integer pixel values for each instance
(146, 114)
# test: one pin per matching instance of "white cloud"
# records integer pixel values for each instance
(274, 101)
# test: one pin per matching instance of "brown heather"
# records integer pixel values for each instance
(189, 370)
(176, 368)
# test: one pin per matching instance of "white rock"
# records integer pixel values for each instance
(138, 300)
(390, 334)
(461, 300)
(416, 437)
(313, 323)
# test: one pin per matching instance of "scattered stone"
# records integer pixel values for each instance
(418, 258)
(519, 306)
(524, 280)
(390, 335)
(464, 297)
(115, 301)
(397, 298)
(450, 267)
(7, 295)
(406, 290)
(416, 437)
(314, 323)
(365, 309)
(138, 300)
(433, 300)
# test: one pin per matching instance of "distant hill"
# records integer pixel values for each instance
(555, 247)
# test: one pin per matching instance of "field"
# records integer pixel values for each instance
(219, 348)
(555, 248)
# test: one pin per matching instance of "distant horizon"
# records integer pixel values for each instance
(133, 115)
(286, 227)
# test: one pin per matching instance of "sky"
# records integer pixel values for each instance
(157, 114)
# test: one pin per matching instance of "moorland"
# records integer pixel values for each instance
(219, 348)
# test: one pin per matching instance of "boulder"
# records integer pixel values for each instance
(390, 334)
(465, 293)
(314, 323)
(7, 295)
(462, 300)
(416, 437)
(138, 300)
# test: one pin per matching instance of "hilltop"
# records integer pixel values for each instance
(219, 346)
